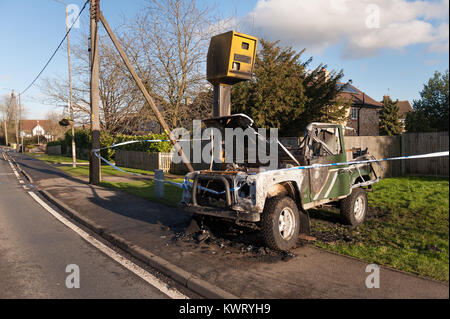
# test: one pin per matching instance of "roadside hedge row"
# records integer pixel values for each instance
(83, 141)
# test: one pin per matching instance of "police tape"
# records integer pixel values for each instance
(406, 157)
(187, 183)
(144, 141)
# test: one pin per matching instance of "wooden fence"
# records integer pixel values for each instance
(421, 143)
(393, 146)
(54, 150)
(152, 161)
(378, 146)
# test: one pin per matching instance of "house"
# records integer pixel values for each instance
(363, 114)
(403, 109)
(31, 128)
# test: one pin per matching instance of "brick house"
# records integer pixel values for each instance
(403, 109)
(364, 113)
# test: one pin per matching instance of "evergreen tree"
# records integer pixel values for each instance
(389, 122)
(284, 94)
(431, 110)
(276, 95)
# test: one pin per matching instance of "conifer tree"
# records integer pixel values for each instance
(389, 121)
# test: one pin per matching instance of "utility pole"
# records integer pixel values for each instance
(5, 116)
(94, 162)
(6, 131)
(20, 119)
(14, 105)
(144, 91)
(72, 123)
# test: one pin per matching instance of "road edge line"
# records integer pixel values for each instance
(181, 276)
(186, 279)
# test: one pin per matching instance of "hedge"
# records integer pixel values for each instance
(144, 146)
(83, 140)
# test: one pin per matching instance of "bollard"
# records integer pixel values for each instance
(159, 185)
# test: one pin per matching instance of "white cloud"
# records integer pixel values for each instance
(362, 26)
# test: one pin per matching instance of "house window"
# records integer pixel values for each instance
(354, 113)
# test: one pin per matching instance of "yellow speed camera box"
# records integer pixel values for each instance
(231, 56)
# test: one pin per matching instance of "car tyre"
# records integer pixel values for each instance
(280, 223)
(354, 207)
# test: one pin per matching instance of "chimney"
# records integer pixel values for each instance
(325, 74)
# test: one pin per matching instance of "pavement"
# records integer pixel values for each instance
(233, 264)
(35, 249)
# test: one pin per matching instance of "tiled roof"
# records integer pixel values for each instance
(29, 125)
(403, 108)
(357, 97)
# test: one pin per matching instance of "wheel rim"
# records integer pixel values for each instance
(286, 223)
(359, 207)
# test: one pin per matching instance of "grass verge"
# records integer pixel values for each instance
(146, 189)
(141, 188)
(407, 227)
(83, 170)
(55, 159)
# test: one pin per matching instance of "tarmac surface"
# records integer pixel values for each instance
(35, 249)
(228, 256)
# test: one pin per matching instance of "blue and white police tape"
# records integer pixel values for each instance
(143, 141)
(429, 155)
(112, 165)
(186, 184)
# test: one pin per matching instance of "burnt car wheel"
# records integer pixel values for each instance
(354, 207)
(280, 223)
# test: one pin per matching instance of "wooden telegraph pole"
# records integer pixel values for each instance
(5, 126)
(94, 162)
(21, 148)
(144, 91)
(16, 117)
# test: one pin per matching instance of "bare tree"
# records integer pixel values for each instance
(52, 125)
(4, 117)
(118, 95)
(11, 112)
(174, 35)
(167, 44)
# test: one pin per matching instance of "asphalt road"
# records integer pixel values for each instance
(36, 248)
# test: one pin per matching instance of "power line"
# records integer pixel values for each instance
(54, 53)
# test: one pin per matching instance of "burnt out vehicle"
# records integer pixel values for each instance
(278, 199)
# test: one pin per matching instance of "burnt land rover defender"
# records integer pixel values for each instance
(278, 199)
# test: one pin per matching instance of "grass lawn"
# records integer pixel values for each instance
(55, 159)
(145, 189)
(407, 227)
(83, 170)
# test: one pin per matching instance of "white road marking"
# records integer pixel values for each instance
(152, 280)
(128, 264)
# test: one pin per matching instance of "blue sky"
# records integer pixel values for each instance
(398, 55)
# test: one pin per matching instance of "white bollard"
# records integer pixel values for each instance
(159, 184)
